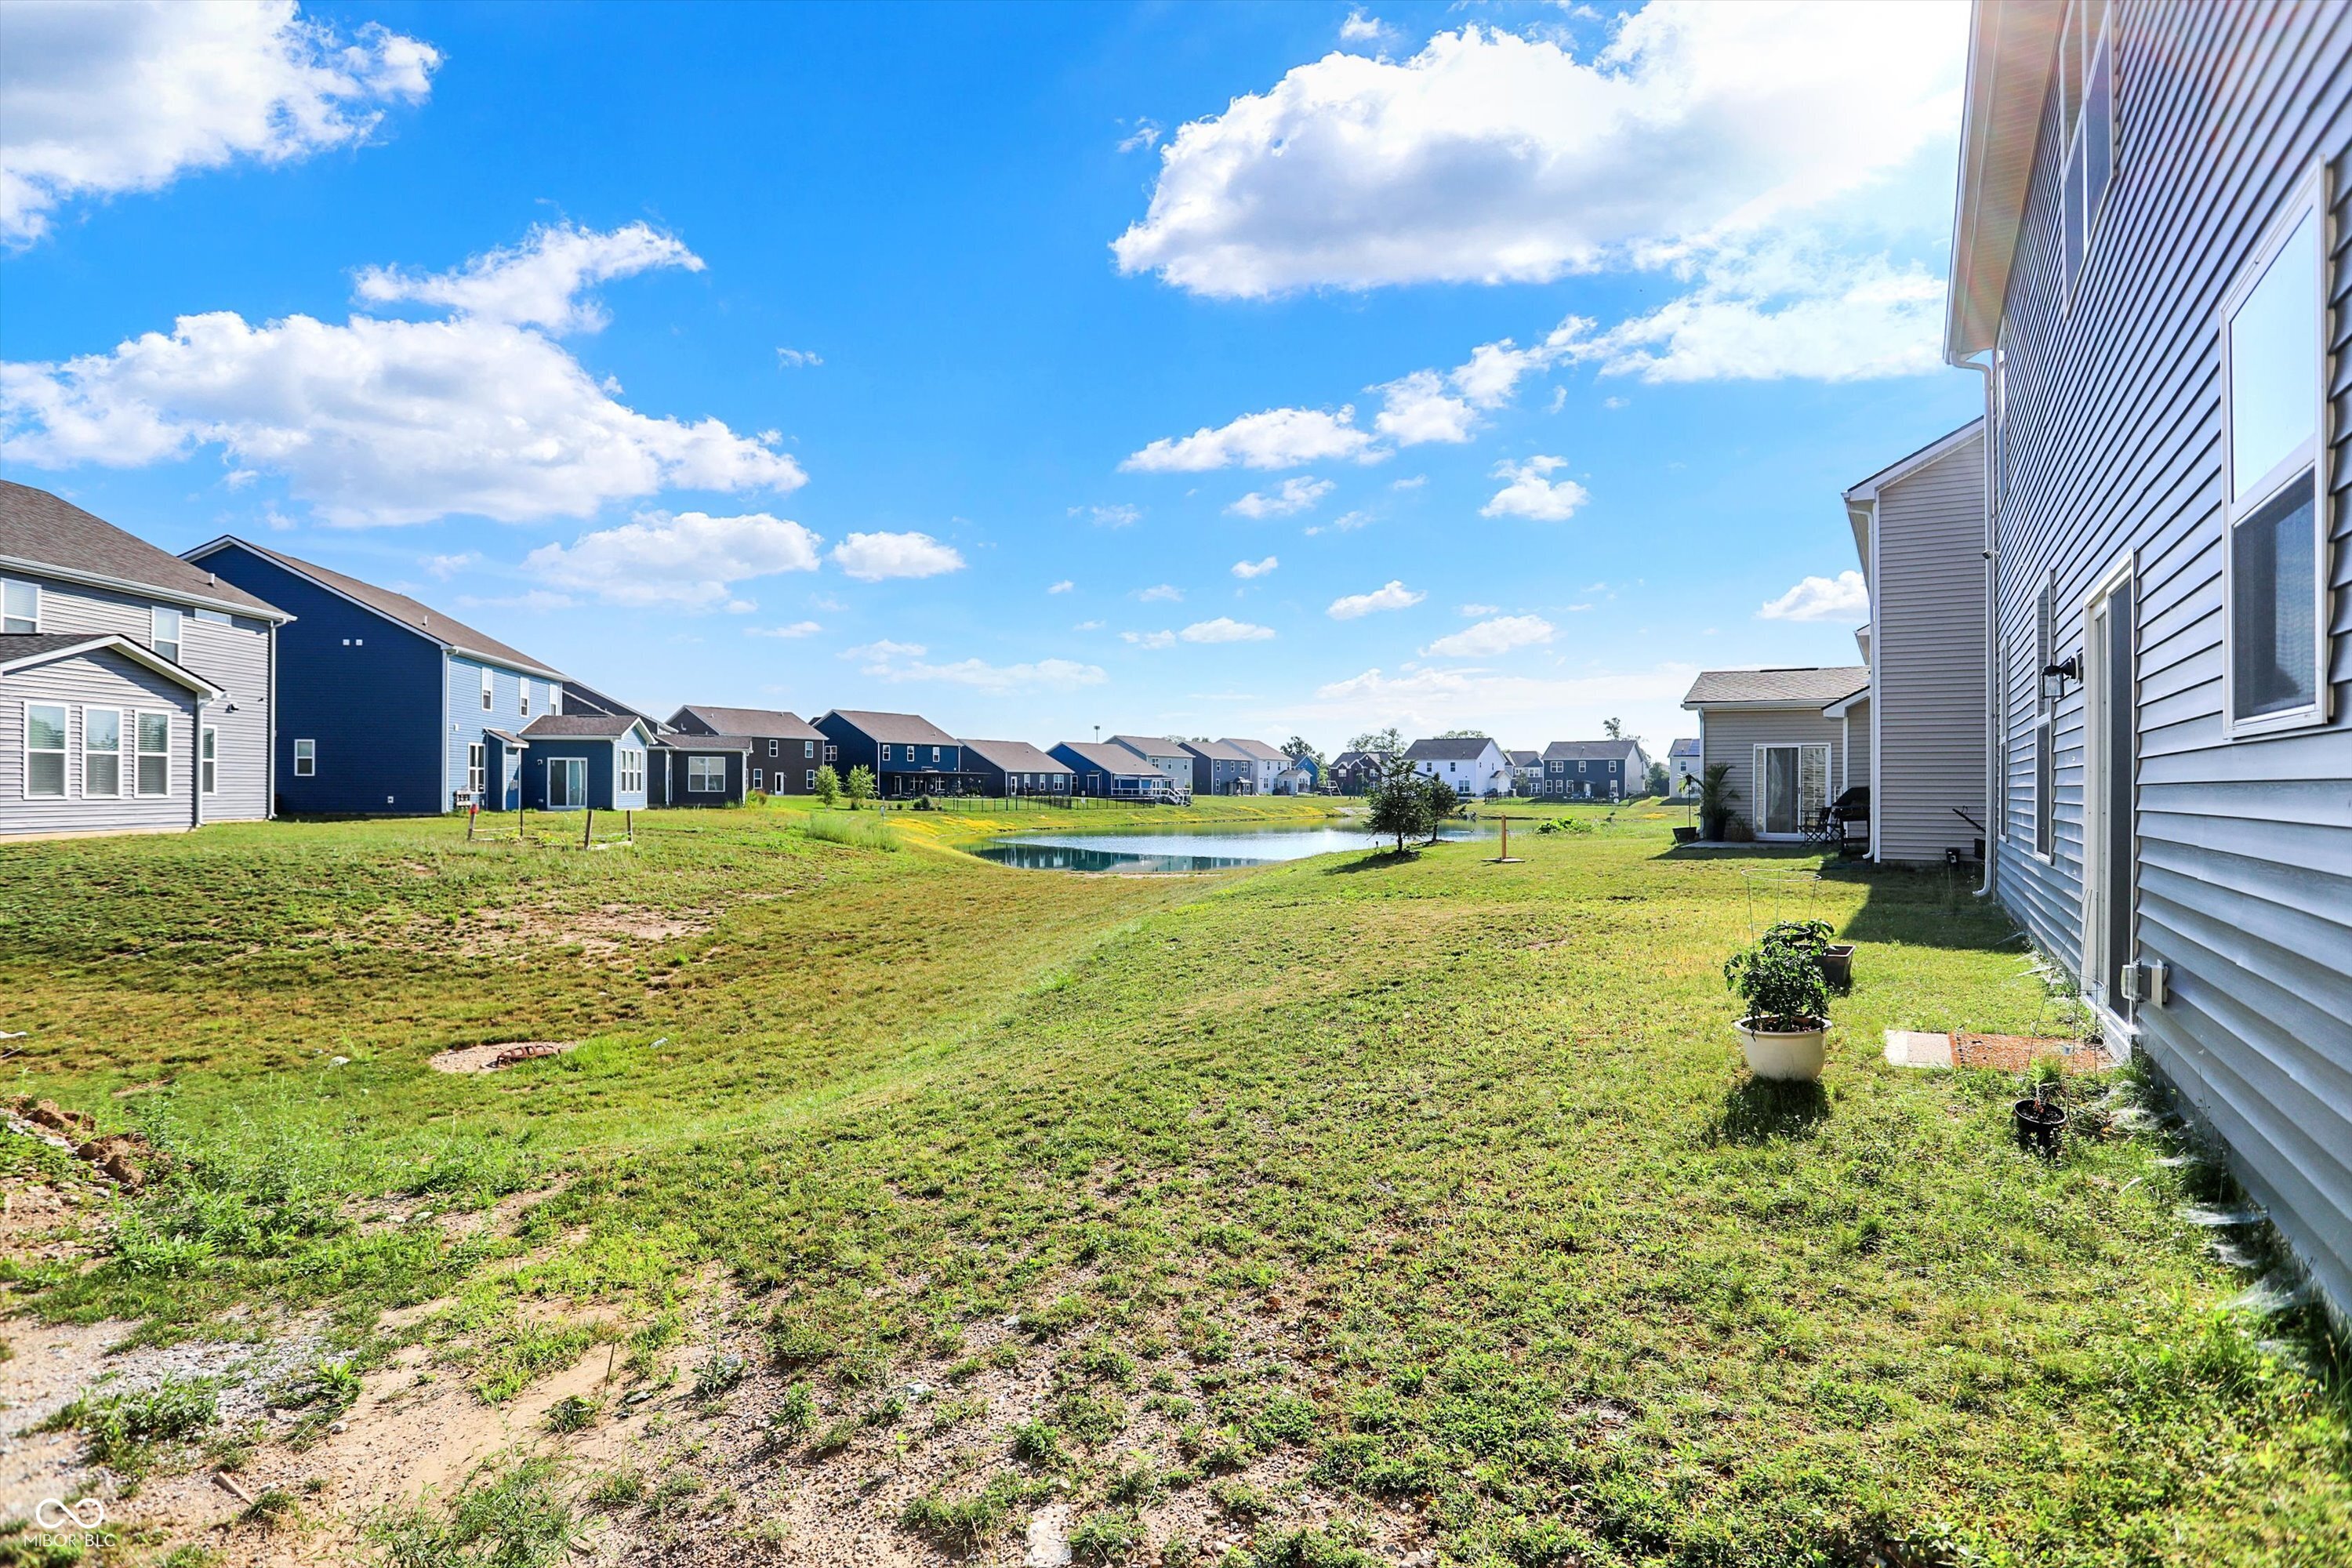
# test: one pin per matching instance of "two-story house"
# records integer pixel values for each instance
(385, 705)
(1682, 766)
(1017, 768)
(787, 750)
(1101, 770)
(136, 690)
(2148, 258)
(909, 754)
(1594, 770)
(1474, 765)
(1219, 767)
(1266, 763)
(1174, 763)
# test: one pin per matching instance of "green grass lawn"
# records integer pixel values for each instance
(1433, 1185)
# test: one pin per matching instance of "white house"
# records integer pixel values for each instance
(1474, 765)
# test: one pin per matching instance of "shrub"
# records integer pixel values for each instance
(1782, 987)
(1807, 939)
(828, 785)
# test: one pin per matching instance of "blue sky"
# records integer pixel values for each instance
(1223, 370)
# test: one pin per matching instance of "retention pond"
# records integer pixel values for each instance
(1192, 848)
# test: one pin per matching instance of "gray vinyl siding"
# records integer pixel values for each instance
(234, 657)
(462, 683)
(1731, 735)
(102, 679)
(1853, 766)
(1928, 658)
(2113, 451)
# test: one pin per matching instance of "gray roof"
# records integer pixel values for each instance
(578, 695)
(581, 726)
(680, 741)
(1685, 748)
(23, 651)
(1115, 760)
(1590, 751)
(763, 723)
(1521, 759)
(42, 529)
(454, 634)
(1258, 750)
(1150, 745)
(1450, 749)
(1015, 757)
(1216, 751)
(1810, 687)
(896, 727)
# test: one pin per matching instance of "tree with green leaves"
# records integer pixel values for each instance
(1658, 783)
(1399, 806)
(1463, 735)
(828, 785)
(1379, 743)
(1613, 728)
(1716, 794)
(860, 785)
(1442, 800)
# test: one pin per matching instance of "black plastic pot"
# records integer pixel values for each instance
(2039, 1123)
(1685, 834)
(1836, 963)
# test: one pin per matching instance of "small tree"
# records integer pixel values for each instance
(1379, 743)
(1400, 808)
(860, 785)
(828, 785)
(1715, 797)
(1443, 803)
(1613, 728)
(1657, 783)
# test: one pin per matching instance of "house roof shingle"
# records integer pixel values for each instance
(1258, 750)
(43, 530)
(762, 723)
(896, 727)
(1216, 751)
(1450, 749)
(416, 615)
(1590, 751)
(1522, 759)
(679, 741)
(1117, 760)
(1150, 745)
(1810, 687)
(581, 726)
(1015, 757)
(1684, 748)
(23, 651)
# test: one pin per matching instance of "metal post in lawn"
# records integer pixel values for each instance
(471, 812)
(587, 826)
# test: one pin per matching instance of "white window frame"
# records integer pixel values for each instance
(629, 766)
(2087, 33)
(34, 588)
(485, 688)
(808, 750)
(522, 695)
(706, 775)
(208, 759)
(477, 770)
(121, 715)
(302, 758)
(1756, 774)
(2308, 200)
(139, 753)
(155, 637)
(756, 776)
(63, 752)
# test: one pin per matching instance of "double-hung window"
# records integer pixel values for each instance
(20, 606)
(485, 689)
(306, 759)
(153, 731)
(522, 695)
(164, 628)
(101, 751)
(2275, 440)
(45, 750)
(808, 749)
(633, 770)
(477, 770)
(756, 782)
(208, 761)
(2086, 82)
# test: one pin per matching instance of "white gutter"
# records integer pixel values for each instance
(1995, 746)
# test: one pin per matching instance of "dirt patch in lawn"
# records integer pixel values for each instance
(498, 1055)
(606, 929)
(2015, 1053)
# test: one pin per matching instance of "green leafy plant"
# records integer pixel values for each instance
(1781, 985)
(1716, 798)
(1807, 939)
(858, 786)
(519, 1519)
(828, 785)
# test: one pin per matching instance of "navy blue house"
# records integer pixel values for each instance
(1017, 767)
(384, 706)
(1102, 769)
(910, 755)
(572, 762)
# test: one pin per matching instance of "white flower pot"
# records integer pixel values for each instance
(1790, 1055)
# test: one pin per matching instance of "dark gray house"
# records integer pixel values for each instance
(1220, 767)
(1101, 769)
(787, 750)
(136, 690)
(697, 770)
(1017, 767)
(1594, 770)
(2148, 257)
(909, 754)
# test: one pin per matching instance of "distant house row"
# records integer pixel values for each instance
(1480, 768)
(148, 691)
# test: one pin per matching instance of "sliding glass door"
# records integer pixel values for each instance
(1792, 787)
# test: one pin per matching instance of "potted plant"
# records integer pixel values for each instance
(1785, 1032)
(1716, 794)
(1811, 938)
(2042, 1116)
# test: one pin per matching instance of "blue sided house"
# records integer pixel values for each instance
(385, 705)
(909, 754)
(573, 762)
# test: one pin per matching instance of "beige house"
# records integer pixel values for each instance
(1788, 754)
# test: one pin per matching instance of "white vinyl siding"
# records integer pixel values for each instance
(73, 718)
(1733, 736)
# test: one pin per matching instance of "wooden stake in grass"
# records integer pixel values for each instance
(1505, 858)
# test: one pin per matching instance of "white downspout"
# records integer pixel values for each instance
(1995, 741)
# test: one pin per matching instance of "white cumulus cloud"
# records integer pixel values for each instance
(872, 557)
(1360, 29)
(447, 566)
(1245, 570)
(1393, 595)
(1500, 634)
(797, 629)
(541, 282)
(1293, 496)
(903, 662)
(1273, 438)
(691, 560)
(798, 359)
(380, 421)
(1064, 586)
(1161, 593)
(100, 100)
(1844, 597)
(1530, 491)
(1225, 628)
(1150, 639)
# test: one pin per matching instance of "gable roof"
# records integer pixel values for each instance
(1450, 749)
(1117, 760)
(1216, 751)
(584, 727)
(1590, 751)
(765, 724)
(1015, 757)
(683, 740)
(1257, 750)
(1151, 745)
(399, 608)
(894, 727)
(48, 534)
(1521, 759)
(1684, 748)
(29, 650)
(580, 697)
(2011, 49)
(1810, 687)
